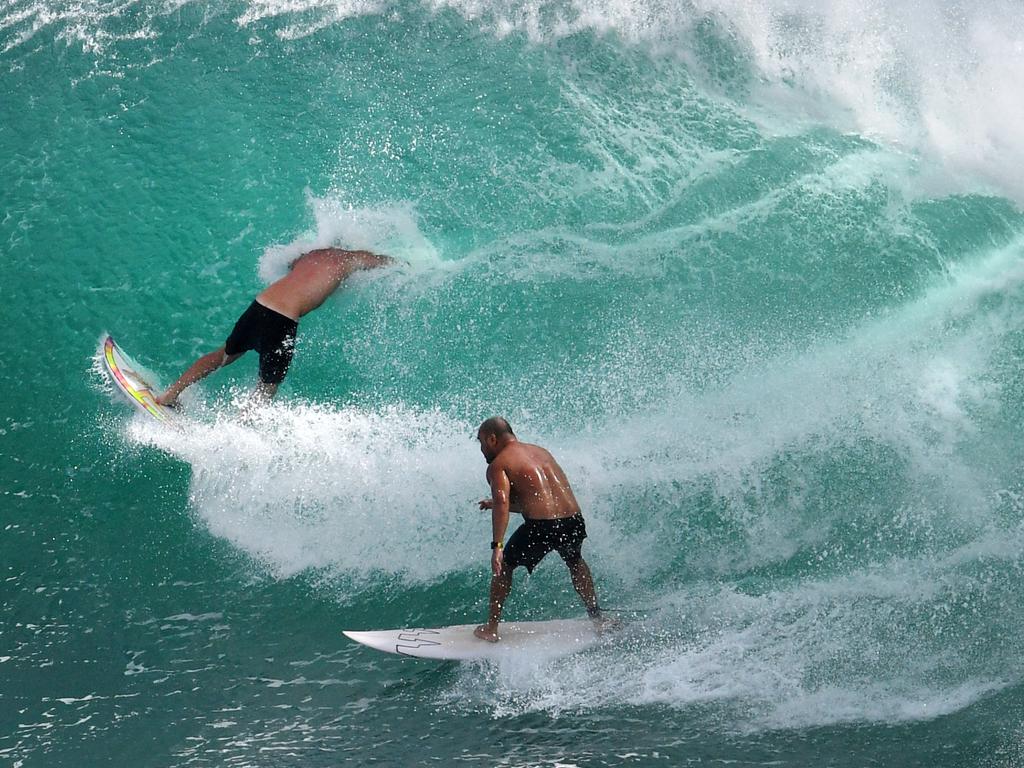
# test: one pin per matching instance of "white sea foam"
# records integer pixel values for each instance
(392, 230)
(341, 489)
(85, 23)
(936, 77)
(322, 14)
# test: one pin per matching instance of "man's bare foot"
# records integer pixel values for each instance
(167, 402)
(604, 623)
(485, 632)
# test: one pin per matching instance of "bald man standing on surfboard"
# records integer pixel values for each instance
(526, 479)
(270, 323)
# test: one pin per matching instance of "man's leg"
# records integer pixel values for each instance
(583, 582)
(265, 392)
(274, 365)
(501, 586)
(199, 370)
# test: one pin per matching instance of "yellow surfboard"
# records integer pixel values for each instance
(125, 375)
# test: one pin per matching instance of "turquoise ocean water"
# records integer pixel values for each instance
(753, 271)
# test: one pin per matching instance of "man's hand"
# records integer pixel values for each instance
(496, 561)
(486, 503)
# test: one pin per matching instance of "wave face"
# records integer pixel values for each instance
(754, 272)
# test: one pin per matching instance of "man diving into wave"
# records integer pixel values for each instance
(526, 479)
(271, 322)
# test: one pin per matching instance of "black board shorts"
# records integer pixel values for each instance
(268, 332)
(535, 538)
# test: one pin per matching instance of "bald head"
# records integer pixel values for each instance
(496, 426)
(494, 434)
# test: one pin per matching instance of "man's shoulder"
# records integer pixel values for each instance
(500, 463)
(532, 452)
(507, 461)
(524, 458)
(496, 467)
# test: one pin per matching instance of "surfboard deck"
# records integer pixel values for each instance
(458, 643)
(126, 378)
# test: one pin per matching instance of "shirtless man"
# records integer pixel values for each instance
(271, 321)
(526, 479)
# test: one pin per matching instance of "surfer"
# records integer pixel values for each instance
(527, 480)
(270, 323)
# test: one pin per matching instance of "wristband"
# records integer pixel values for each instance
(497, 545)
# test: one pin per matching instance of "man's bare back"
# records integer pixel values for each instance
(313, 277)
(539, 487)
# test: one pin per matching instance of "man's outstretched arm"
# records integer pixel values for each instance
(373, 260)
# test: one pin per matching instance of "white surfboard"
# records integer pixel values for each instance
(458, 643)
(127, 379)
